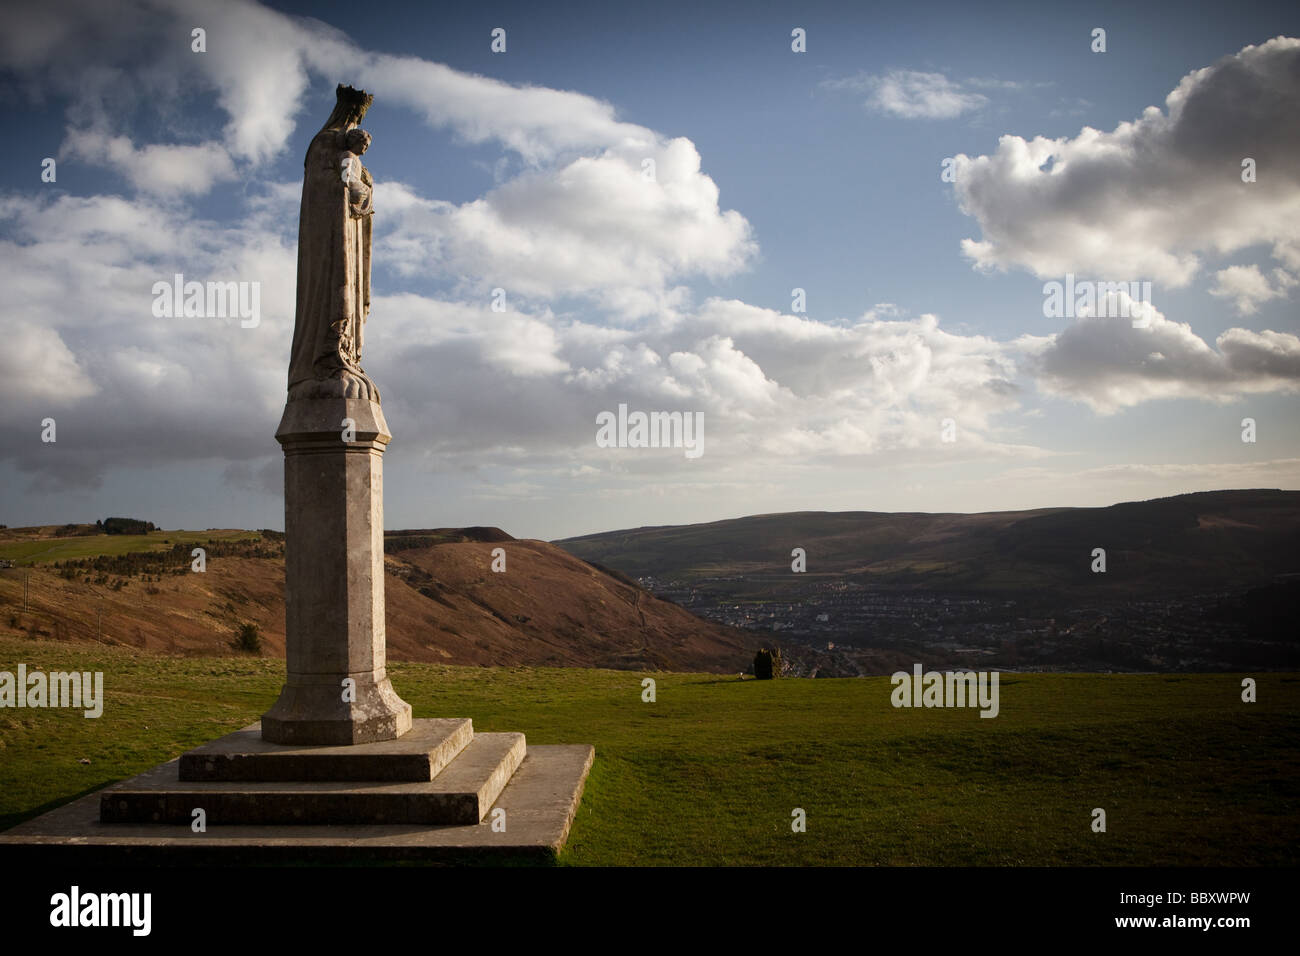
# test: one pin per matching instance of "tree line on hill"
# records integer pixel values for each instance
(124, 526)
(106, 526)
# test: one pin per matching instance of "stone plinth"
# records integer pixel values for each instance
(539, 803)
(416, 756)
(460, 794)
(334, 578)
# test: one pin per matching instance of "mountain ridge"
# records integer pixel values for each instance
(1173, 543)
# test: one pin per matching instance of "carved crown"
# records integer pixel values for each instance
(355, 101)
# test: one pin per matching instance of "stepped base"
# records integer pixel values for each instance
(540, 801)
(461, 794)
(418, 755)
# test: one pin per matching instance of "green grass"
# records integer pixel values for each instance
(47, 550)
(710, 772)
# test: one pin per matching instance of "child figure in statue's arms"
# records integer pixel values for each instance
(355, 176)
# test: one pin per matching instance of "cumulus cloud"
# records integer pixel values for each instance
(38, 365)
(462, 383)
(1104, 361)
(596, 226)
(537, 123)
(1150, 198)
(912, 94)
(166, 170)
(1246, 287)
(771, 386)
(127, 387)
(602, 209)
(580, 218)
(260, 63)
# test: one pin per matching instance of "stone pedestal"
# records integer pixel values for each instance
(334, 578)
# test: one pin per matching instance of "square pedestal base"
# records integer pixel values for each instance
(539, 803)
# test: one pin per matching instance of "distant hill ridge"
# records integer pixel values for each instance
(1214, 539)
(454, 534)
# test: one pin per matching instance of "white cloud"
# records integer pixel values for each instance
(38, 368)
(468, 385)
(260, 64)
(582, 218)
(915, 95)
(158, 169)
(1247, 287)
(1070, 106)
(1150, 198)
(595, 226)
(1106, 363)
(463, 384)
(538, 123)
(133, 389)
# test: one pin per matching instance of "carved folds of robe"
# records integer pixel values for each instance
(334, 231)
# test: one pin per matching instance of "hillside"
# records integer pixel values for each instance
(444, 603)
(1221, 540)
(1193, 583)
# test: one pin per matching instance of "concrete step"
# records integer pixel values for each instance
(417, 755)
(462, 793)
(539, 803)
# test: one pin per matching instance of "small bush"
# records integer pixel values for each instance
(249, 639)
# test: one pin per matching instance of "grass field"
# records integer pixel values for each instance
(47, 550)
(710, 772)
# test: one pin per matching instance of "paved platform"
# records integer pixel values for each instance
(539, 803)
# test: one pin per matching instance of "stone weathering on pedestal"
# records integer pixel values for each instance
(337, 770)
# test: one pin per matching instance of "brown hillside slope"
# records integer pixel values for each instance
(548, 607)
(444, 604)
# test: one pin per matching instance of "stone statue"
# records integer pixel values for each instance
(333, 433)
(334, 232)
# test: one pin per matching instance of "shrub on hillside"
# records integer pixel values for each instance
(249, 639)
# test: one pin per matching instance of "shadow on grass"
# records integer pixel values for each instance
(10, 820)
(727, 680)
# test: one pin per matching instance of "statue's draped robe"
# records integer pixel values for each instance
(333, 269)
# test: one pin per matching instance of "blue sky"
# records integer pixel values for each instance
(776, 170)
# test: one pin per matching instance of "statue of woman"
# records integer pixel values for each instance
(334, 234)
